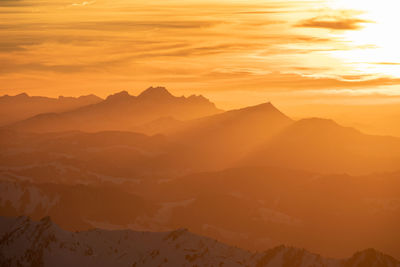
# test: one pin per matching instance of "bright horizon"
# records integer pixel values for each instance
(237, 53)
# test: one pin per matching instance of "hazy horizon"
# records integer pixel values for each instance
(232, 51)
(240, 133)
(374, 118)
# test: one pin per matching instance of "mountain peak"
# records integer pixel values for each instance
(91, 96)
(22, 95)
(371, 257)
(267, 107)
(155, 92)
(120, 96)
(198, 99)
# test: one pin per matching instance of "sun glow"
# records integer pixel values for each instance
(376, 46)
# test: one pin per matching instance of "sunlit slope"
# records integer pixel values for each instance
(254, 136)
(323, 146)
(224, 138)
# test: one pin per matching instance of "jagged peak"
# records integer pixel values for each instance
(155, 92)
(119, 96)
(198, 99)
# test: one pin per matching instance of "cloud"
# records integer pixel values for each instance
(24, 3)
(113, 26)
(333, 23)
(11, 47)
(14, 3)
(213, 46)
(85, 3)
(387, 63)
(11, 67)
(295, 81)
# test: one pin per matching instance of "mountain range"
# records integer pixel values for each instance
(121, 112)
(23, 106)
(256, 208)
(252, 177)
(204, 138)
(24, 242)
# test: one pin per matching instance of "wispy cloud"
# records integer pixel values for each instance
(84, 3)
(339, 22)
(227, 45)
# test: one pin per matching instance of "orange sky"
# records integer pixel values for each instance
(235, 52)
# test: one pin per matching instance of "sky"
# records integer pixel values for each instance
(234, 52)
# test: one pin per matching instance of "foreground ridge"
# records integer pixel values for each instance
(24, 242)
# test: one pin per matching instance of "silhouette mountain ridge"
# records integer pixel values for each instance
(155, 92)
(122, 95)
(122, 111)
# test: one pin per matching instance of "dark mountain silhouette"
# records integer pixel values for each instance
(29, 243)
(121, 112)
(322, 145)
(159, 93)
(22, 106)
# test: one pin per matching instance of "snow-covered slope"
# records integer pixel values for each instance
(28, 243)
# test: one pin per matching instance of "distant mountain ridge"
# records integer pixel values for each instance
(230, 135)
(322, 145)
(28, 243)
(122, 112)
(23, 106)
(258, 135)
(251, 176)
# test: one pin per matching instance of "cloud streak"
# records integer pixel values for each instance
(201, 45)
(333, 23)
